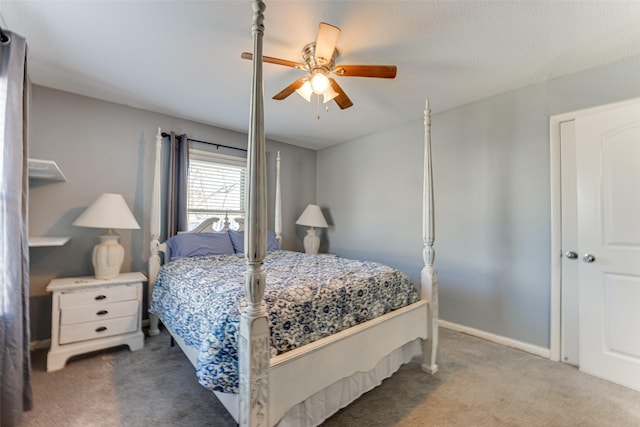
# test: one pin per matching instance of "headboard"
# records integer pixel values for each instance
(205, 227)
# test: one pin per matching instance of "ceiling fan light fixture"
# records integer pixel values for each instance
(329, 94)
(318, 60)
(319, 81)
(305, 91)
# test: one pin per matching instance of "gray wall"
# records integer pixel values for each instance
(492, 184)
(105, 147)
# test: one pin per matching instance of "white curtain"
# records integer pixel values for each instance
(15, 364)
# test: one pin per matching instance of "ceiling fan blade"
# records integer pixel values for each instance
(290, 89)
(326, 41)
(272, 60)
(342, 99)
(380, 71)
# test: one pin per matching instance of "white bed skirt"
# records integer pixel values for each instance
(330, 400)
(323, 404)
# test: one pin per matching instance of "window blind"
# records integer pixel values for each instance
(216, 186)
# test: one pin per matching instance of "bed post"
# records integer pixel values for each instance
(253, 350)
(429, 277)
(154, 258)
(278, 208)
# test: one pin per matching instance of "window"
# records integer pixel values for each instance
(215, 188)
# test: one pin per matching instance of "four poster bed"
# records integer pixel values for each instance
(295, 370)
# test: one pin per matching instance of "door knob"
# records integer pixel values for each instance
(588, 258)
(571, 255)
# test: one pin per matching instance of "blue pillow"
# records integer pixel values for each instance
(192, 244)
(237, 238)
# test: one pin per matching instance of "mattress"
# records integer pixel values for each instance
(308, 297)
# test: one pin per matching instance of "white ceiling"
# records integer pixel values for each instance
(182, 58)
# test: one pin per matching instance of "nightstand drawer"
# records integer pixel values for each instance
(98, 329)
(91, 313)
(98, 296)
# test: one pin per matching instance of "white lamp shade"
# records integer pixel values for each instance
(312, 217)
(329, 94)
(107, 211)
(305, 91)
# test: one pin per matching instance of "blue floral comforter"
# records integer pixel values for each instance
(308, 297)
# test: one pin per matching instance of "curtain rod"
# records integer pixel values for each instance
(211, 143)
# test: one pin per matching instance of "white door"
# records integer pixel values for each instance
(569, 325)
(608, 204)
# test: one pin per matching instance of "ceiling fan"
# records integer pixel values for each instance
(319, 62)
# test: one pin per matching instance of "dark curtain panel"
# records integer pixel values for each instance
(177, 186)
(15, 364)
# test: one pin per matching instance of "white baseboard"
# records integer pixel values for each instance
(498, 339)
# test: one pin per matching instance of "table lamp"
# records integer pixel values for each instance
(312, 217)
(107, 211)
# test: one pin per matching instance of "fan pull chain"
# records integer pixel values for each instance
(318, 108)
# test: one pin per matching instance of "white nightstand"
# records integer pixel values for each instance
(89, 314)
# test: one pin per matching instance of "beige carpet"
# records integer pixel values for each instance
(479, 384)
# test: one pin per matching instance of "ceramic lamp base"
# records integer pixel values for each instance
(107, 257)
(311, 242)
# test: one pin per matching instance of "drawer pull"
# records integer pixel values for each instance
(102, 313)
(101, 329)
(100, 297)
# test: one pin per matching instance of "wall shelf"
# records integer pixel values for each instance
(45, 169)
(37, 242)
